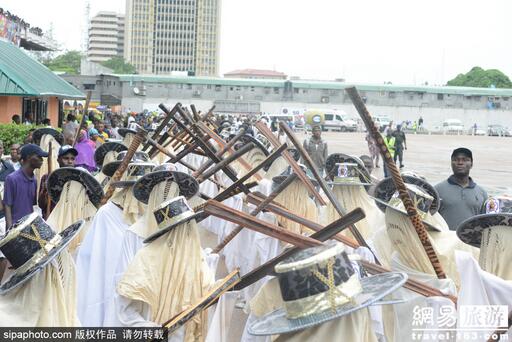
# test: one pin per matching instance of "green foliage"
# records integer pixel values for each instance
(119, 66)
(478, 77)
(14, 134)
(68, 62)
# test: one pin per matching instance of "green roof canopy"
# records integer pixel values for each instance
(21, 75)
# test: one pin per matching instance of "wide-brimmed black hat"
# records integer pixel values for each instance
(138, 157)
(332, 161)
(320, 284)
(30, 245)
(498, 213)
(102, 150)
(61, 176)
(123, 131)
(347, 174)
(171, 214)
(38, 134)
(385, 189)
(245, 139)
(187, 184)
(422, 200)
(136, 170)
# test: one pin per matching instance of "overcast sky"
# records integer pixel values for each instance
(373, 41)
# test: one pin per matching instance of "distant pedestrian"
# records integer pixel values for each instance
(15, 156)
(317, 148)
(400, 145)
(420, 121)
(389, 141)
(374, 150)
(414, 127)
(16, 119)
(474, 129)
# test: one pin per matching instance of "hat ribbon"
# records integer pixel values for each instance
(333, 290)
(37, 238)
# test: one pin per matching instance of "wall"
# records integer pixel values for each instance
(9, 105)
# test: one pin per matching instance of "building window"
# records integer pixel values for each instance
(218, 87)
(276, 90)
(440, 97)
(324, 99)
(89, 86)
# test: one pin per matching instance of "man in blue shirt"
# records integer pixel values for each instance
(20, 186)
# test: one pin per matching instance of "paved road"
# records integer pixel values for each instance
(429, 155)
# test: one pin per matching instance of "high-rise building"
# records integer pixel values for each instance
(106, 36)
(162, 36)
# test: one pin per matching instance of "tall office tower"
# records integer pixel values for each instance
(162, 36)
(106, 36)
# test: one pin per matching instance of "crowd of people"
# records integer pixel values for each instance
(84, 247)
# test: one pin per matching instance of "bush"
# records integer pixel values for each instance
(14, 134)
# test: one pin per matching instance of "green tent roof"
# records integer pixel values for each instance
(21, 75)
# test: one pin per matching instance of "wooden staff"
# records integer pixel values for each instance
(207, 148)
(327, 190)
(137, 141)
(398, 181)
(164, 123)
(222, 144)
(262, 127)
(224, 162)
(372, 268)
(256, 211)
(224, 212)
(323, 234)
(48, 197)
(82, 120)
(225, 149)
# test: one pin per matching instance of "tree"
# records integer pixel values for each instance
(68, 62)
(119, 66)
(478, 77)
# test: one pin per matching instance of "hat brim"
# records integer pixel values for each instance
(348, 183)
(336, 158)
(279, 179)
(385, 189)
(37, 135)
(163, 231)
(429, 221)
(123, 131)
(245, 139)
(470, 230)
(374, 288)
(18, 278)
(187, 184)
(101, 152)
(61, 176)
(123, 184)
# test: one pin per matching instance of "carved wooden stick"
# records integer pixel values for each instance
(262, 127)
(82, 120)
(164, 123)
(256, 211)
(327, 190)
(48, 197)
(224, 162)
(137, 140)
(398, 181)
(218, 209)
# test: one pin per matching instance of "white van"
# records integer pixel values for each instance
(453, 126)
(339, 122)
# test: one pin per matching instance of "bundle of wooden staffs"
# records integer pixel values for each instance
(412, 212)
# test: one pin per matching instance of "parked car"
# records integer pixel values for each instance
(479, 131)
(335, 120)
(382, 121)
(498, 131)
(453, 126)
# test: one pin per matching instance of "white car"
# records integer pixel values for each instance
(453, 126)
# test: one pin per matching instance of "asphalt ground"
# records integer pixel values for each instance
(429, 155)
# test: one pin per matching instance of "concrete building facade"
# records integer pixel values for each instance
(164, 36)
(483, 106)
(106, 37)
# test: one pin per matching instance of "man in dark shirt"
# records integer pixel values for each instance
(20, 186)
(460, 197)
(400, 144)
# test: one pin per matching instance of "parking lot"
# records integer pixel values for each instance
(430, 156)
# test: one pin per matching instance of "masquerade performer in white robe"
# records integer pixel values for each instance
(153, 189)
(349, 179)
(41, 291)
(492, 233)
(77, 194)
(105, 154)
(168, 274)
(101, 247)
